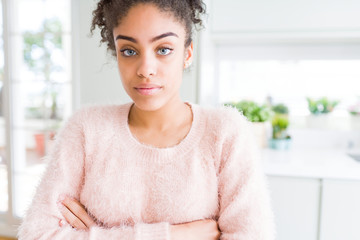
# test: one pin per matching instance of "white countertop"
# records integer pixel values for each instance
(311, 163)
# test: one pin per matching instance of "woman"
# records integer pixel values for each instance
(156, 168)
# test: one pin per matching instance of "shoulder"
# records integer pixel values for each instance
(95, 118)
(228, 131)
(223, 126)
(225, 118)
(98, 112)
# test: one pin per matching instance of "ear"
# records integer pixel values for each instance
(188, 55)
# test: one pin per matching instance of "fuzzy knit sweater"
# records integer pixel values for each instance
(135, 191)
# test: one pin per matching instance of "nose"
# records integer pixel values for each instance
(147, 66)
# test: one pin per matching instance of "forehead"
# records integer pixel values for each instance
(144, 21)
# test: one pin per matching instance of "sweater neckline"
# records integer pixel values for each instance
(186, 144)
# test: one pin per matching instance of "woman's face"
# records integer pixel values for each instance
(151, 56)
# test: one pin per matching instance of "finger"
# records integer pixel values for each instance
(63, 222)
(79, 211)
(72, 219)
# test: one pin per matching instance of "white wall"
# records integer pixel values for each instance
(285, 15)
(96, 75)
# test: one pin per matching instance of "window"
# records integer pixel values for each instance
(289, 73)
(39, 89)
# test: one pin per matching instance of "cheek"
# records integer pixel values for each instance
(174, 73)
(125, 71)
(171, 69)
(175, 65)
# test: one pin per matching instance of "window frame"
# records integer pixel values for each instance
(9, 222)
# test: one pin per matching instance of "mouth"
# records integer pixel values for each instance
(148, 90)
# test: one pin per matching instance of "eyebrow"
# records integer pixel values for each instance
(131, 39)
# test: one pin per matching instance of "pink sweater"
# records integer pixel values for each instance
(136, 191)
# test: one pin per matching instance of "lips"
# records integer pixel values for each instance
(148, 89)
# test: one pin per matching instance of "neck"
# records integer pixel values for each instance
(161, 119)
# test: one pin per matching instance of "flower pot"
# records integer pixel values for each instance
(44, 142)
(280, 144)
(40, 143)
(262, 132)
(317, 121)
(355, 122)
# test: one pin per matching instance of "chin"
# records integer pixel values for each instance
(149, 105)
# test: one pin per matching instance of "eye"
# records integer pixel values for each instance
(164, 51)
(128, 52)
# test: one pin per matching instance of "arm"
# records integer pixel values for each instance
(245, 211)
(77, 216)
(64, 176)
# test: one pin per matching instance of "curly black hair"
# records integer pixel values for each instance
(109, 14)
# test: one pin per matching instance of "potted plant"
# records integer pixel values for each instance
(319, 110)
(280, 138)
(354, 111)
(259, 116)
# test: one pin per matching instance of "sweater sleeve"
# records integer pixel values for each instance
(65, 175)
(245, 211)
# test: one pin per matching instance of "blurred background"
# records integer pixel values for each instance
(291, 67)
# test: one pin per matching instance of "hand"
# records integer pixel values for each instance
(75, 214)
(198, 230)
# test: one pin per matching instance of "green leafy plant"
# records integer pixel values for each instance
(321, 106)
(252, 111)
(280, 108)
(280, 123)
